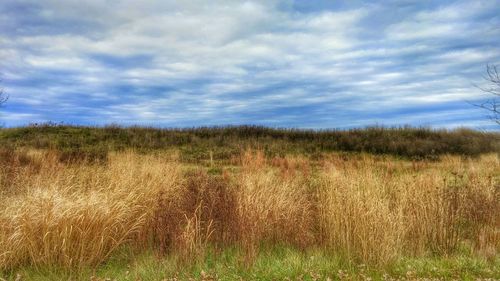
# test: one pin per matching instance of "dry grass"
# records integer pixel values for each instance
(203, 211)
(376, 211)
(357, 216)
(370, 209)
(272, 207)
(74, 216)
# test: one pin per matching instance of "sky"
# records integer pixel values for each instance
(301, 64)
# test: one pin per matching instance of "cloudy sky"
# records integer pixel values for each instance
(308, 64)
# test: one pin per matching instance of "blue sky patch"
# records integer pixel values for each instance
(304, 64)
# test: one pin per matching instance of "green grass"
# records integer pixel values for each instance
(278, 263)
(197, 144)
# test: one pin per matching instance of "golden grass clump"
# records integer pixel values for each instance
(358, 217)
(272, 208)
(378, 210)
(46, 227)
(74, 219)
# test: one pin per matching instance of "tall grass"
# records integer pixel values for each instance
(78, 215)
(371, 209)
(272, 207)
(377, 211)
(358, 217)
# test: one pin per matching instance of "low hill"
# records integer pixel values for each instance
(223, 142)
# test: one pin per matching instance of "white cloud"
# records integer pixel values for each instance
(229, 58)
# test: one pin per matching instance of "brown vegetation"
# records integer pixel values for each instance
(368, 208)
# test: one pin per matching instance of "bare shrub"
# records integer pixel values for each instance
(206, 205)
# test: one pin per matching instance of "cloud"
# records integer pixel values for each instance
(172, 63)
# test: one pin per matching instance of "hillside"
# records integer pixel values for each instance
(223, 143)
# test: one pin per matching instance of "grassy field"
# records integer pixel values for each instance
(92, 203)
(222, 143)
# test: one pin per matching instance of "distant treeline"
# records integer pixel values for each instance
(227, 141)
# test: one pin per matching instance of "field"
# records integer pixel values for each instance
(250, 203)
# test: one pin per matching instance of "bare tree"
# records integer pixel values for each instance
(3, 97)
(492, 104)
